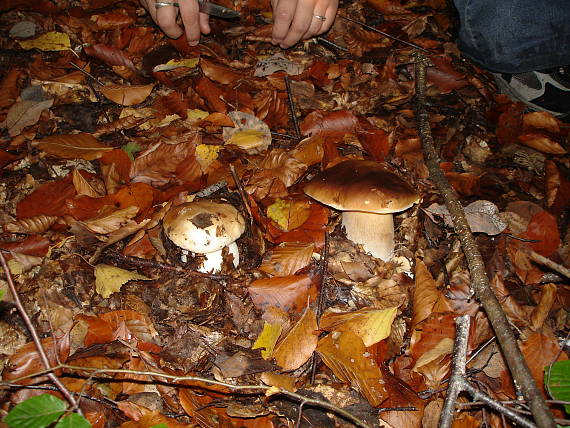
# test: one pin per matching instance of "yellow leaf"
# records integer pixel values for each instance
(206, 154)
(267, 339)
(246, 139)
(52, 41)
(371, 326)
(194, 115)
(249, 133)
(289, 214)
(109, 279)
(175, 63)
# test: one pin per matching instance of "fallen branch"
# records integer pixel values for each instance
(458, 382)
(35, 337)
(479, 280)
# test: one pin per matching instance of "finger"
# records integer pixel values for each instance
(315, 26)
(165, 18)
(330, 14)
(205, 23)
(190, 15)
(299, 26)
(283, 14)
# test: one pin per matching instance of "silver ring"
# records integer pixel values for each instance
(160, 4)
(320, 17)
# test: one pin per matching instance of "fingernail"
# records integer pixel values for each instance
(193, 43)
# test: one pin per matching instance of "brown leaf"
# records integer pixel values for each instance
(345, 354)
(109, 55)
(24, 113)
(9, 87)
(127, 95)
(444, 76)
(287, 258)
(542, 143)
(541, 120)
(298, 345)
(540, 350)
(112, 20)
(290, 293)
(329, 124)
(31, 225)
(401, 395)
(93, 187)
(110, 219)
(212, 94)
(27, 359)
(158, 164)
(72, 146)
(425, 294)
(34, 245)
(543, 228)
(541, 311)
(48, 198)
(219, 73)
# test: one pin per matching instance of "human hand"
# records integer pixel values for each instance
(301, 19)
(166, 16)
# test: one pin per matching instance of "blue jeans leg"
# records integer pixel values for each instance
(515, 36)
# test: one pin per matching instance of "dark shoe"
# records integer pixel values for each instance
(540, 90)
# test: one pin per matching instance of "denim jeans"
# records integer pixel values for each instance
(515, 36)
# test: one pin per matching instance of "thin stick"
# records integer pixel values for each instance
(479, 279)
(545, 261)
(241, 192)
(292, 108)
(35, 337)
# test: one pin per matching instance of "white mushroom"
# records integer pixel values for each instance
(367, 194)
(205, 227)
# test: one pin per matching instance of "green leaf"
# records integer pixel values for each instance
(557, 381)
(36, 412)
(131, 148)
(2, 292)
(73, 420)
(159, 426)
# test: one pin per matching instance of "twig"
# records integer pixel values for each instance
(35, 337)
(269, 390)
(545, 261)
(211, 189)
(292, 108)
(458, 382)
(480, 281)
(376, 30)
(241, 193)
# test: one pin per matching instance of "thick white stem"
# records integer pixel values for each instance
(375, 232)
(213, 261)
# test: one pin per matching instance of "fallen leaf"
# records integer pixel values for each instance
(482, 216)
(345, 354)
(298, 345)
(267, 339)
(51, 41)
(371, 325)
(110, 279)
(24, 113)
(110, 219)
(290, 293)
(287, 258)
(289, 214)
(72, 146)
(127, 95)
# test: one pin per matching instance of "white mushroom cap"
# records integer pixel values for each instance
(203, 226)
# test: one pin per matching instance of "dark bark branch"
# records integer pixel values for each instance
(480, 282)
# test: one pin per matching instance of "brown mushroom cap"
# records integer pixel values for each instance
(203, 226)
(362, 185)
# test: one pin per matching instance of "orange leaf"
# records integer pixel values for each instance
(287, 258)
(120, 159)
(212, 94)
(542, 120)
(136, 194)
(112, 20)
(444, 76)
(73, 146)
(291, 293)
(377, 143)
(219, 73)
(345, 354)
(296, 348)
(49, 199)
(425, 295)
(127, 95)
(543, 228)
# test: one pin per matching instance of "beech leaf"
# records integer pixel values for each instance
(51, 41)
(127, 95)
(72, 146)
(24, 113)
(298, 345)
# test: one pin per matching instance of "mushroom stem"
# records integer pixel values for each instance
(375, 232)
(213, 261)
